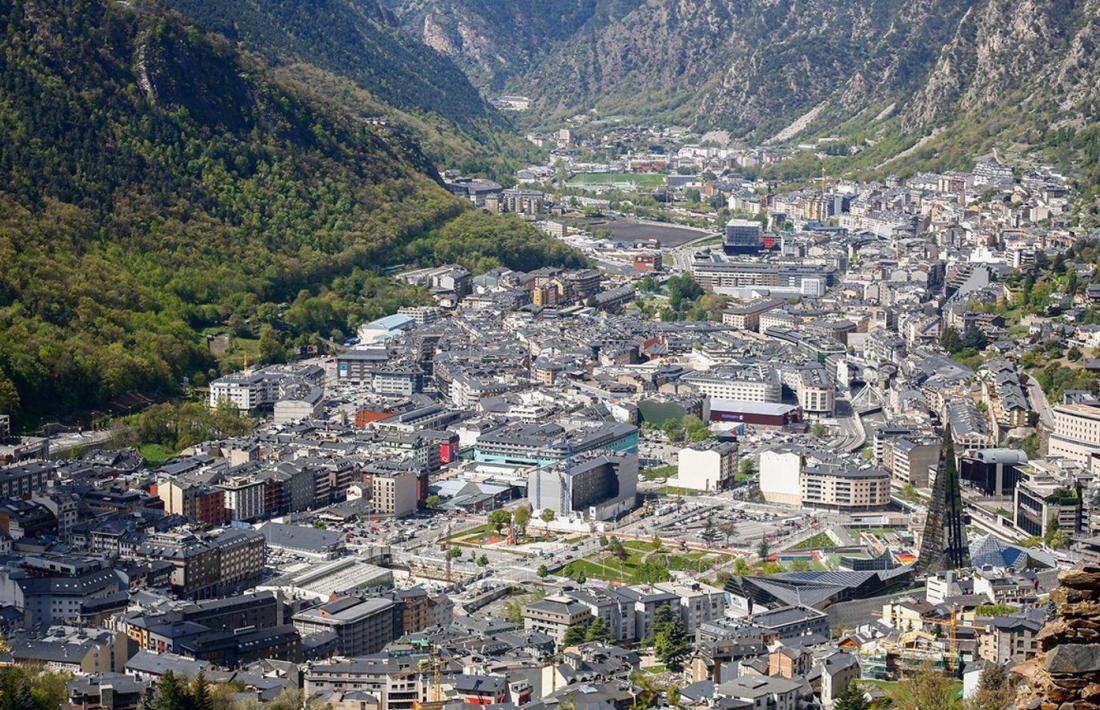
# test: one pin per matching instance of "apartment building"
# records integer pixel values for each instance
(845, 488)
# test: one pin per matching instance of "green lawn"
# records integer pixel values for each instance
(658, 473)
(607, 566)
(677, 491)
(155, 454)
(820, 541)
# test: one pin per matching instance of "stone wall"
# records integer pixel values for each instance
(1066, 673)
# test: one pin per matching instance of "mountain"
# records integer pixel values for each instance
(354, 53)
(908, 84)
(497, 41)
(157, 184)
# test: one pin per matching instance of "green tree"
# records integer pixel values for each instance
(575, 634)
(454, 552)
(432, 502)
(172, 693)
(543, 571)
(272, 349)
(763, 549)
(670, 640)
(651, 572)
(950, 340)
(597, 631)
(499, 519)
(741, 567)
(546, 515)
(851, 698)
(521, 518)
(995, 690)
(928, 688)
(200, 693)
(483, 561)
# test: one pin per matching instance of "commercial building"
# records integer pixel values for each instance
(361, 625)
(719, 275)
(763, 414)
(752, 383)
(742, 236)
(597, 487)
(995, 472)
(1076, 432)
(546, 443)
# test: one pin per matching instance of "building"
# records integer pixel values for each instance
(389, 682)
(244, 498)
(742, 236)
(761, 414)
(995, 472)
(781, 475)
(1044, 497)
(741, 278)
(761, 692)
(816, 392)
(910, 459)
(24, 480)
(698, 602)
(1010, 639)
(360, 365)
(361, 625)
(648, 261)
(752, 383)
(382, 329)
(219, 564)
(543, 444)
(395, 493)
(200, 502)
(554, 615)
(747, 317)
(476, 190)
(1076, 432)
(596, 487)
(708, 466)
(845, 488)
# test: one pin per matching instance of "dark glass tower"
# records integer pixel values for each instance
(943, 545)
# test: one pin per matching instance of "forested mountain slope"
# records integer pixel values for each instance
(353, 53)
(154, 182)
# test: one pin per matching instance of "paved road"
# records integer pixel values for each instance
(1039, 404)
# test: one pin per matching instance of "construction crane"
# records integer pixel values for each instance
(952, 641)
(435, 697)
(447, 552)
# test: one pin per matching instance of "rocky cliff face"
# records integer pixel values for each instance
(753, 66)
(1066, 673)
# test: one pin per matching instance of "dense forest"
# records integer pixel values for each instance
(353, 52)
(156, 183)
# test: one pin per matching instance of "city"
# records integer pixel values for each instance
(426, 355)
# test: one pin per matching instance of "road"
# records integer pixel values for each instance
(1040, 404)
